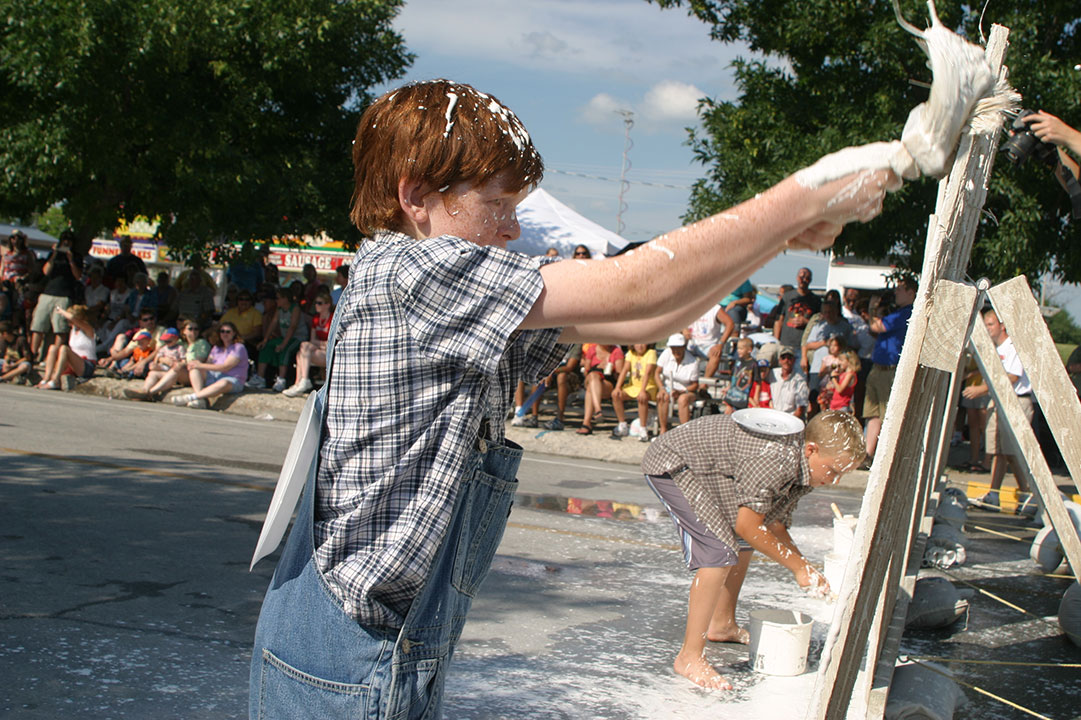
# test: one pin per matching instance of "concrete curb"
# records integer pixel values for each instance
(269, 405)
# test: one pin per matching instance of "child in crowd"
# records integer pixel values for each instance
(843, 380)
(821, 381)
(729, 491)
(16, 361)
(168, 357)
(639, 374)
(141, 355)
(743, 375)
(408, 497)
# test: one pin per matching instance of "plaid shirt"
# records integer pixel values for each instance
(427, 346)
(720, 466)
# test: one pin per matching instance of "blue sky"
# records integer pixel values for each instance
(566, 67)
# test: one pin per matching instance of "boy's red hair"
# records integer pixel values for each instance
(440, 132)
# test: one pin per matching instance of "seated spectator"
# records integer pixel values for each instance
(842, 381)
(287, 331)
(312, 287)
(788, 387)
(118, 317)
(341, 277)
(677, 379)
(602, 365)
(738, 303)
(743, 375)
(140, 283)
(196, 299)
(141, 354)
(581, 252)
(639, 375)
(95, 293)
(248, 320)
(196, 349)
(710, 333)
(169, 355)
(162, 299)
(77, 357)
(313, 352)
(567, 379)
(16, 362)
(224, 372)
(120, 352)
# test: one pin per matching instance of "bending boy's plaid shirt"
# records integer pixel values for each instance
(427, 347)
(719, 466)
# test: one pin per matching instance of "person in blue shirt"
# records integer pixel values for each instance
(889, 332)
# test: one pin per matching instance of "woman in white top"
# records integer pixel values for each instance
(677, 378)
(78, 356)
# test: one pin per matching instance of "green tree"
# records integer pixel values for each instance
(833, 73)
(1063, 328)
(229, 119)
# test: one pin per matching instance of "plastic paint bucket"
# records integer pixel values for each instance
(780, 640)
(844, 532)
(835, 570)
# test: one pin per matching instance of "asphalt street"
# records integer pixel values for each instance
(126, 531)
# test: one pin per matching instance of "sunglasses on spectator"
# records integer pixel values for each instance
(581, 254)
(225, 331)
(146, 319)
(321, 302)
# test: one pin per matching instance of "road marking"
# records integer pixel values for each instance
(139, 470)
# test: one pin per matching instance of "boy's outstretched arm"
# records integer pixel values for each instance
(665, 284)
(775, 543)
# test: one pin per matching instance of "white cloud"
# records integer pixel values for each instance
(601, 111)
(672, 100)
(668, 105)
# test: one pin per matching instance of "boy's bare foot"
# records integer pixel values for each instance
(729, 634)
(701, 673)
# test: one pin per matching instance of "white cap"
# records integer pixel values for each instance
(677, 340)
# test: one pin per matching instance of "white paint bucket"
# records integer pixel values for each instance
(844, 532)
(780, 640)
(835, 570)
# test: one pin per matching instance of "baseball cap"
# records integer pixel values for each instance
(677, 340)
(142, 334)
(169, 334)
(786, 350)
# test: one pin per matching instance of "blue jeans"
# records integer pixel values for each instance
(311, 660)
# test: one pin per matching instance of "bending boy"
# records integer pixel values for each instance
(413, 482)
(731, 491)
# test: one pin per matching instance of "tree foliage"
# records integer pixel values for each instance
(831, 73)
(229, 119)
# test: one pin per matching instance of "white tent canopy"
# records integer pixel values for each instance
(546, 223)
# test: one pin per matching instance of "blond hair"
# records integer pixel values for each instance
(744, 342)
(837, 433)
(853, 360)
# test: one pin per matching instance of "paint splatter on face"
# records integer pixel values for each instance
(484, 214)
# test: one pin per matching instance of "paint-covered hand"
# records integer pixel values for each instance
(811, 581)
(856, 197)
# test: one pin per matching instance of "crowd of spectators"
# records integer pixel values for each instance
(66, 318)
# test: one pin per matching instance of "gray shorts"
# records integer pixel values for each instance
(46, 318)
(701, 548)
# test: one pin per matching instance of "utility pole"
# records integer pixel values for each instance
(628, 123)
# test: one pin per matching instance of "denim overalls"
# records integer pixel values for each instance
(312, 660)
